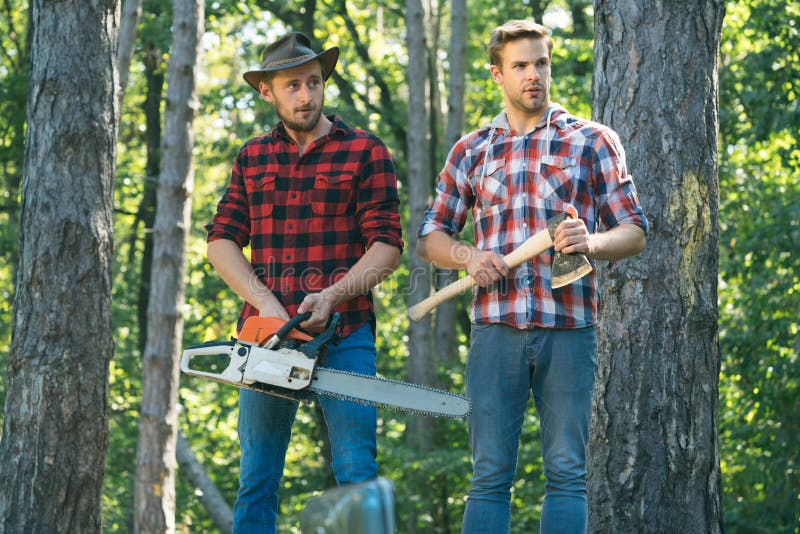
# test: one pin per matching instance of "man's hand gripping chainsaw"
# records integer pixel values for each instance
(272, 357)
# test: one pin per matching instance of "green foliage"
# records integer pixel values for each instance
(760, 69)
(759, 243)
(760, 304)
(759, 292)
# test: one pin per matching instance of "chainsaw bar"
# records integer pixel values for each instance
(387, 393)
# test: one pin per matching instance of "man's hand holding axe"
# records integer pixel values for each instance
(566, 232)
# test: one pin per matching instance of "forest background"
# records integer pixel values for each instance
(759, 239)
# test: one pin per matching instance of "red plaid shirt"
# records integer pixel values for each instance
(309, 218)
(513, 183)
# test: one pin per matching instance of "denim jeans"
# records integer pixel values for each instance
(265, 426)
(505, 365)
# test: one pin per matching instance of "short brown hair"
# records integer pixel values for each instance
(513, 30)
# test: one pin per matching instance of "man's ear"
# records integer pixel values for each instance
(266, 92)
(497, 74)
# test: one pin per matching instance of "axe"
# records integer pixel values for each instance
(566, 268)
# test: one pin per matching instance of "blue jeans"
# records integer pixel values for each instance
(504, 366)
(265, 426)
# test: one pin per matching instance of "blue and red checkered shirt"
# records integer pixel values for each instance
(309, 219)
(513, 183)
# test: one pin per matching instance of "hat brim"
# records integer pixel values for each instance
(327, 59)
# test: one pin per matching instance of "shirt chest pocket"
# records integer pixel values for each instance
(332, 194)
(557, 178)
(263, 196)
(491, 187)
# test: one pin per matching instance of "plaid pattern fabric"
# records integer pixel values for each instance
(308, 219)
(512, 184)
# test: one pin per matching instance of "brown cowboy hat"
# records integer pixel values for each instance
(291, 50)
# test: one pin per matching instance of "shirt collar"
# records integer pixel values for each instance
(558, 119)
(338, 129)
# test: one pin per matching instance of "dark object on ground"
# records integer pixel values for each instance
(364, 508)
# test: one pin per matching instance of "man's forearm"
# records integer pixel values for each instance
(234, 269)
(617, 243)
(378, 262)
(443, 251)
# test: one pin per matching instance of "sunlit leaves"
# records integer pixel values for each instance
(759, 317)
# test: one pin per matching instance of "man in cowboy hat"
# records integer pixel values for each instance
(317, 202)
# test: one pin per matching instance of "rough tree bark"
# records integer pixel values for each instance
(154, 489)
(55, 429)
(654, 455)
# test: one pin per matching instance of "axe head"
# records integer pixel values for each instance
(566, 268)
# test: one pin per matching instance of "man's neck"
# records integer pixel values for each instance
(304, 139)
(524, 122)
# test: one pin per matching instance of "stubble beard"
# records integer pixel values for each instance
(531, 106)
(303, 126)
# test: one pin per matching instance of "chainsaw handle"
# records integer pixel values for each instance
(332, 334)
(230, 375)
(290, 325)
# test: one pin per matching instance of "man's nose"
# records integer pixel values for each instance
(305, 93)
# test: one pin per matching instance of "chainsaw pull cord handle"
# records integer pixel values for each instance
(332, 334)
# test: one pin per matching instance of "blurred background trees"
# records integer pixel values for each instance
(759, 217)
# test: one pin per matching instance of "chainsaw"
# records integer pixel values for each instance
(272, 356)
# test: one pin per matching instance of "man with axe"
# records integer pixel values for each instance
(534, 311)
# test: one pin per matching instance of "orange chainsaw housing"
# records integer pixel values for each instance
(259, 329)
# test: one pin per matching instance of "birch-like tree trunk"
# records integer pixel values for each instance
(420, 370)
(128, 26)
(654, 454)
(55, 427)
(154, 491)
(444, 340)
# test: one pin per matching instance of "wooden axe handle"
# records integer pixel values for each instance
(531, 247)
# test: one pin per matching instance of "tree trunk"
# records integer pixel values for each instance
(154, 492)
(420, 429)
(654, 455)
(55, 433)
(538, 8)
(435, 76)
(146, 214)
(129, 23)
(580, 18)
(444, 339)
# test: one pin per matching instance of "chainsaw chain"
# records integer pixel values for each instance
(392, 407)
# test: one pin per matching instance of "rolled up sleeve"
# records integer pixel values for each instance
(232, 219)
(448, 212)
(378, 204)
(617, 201)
